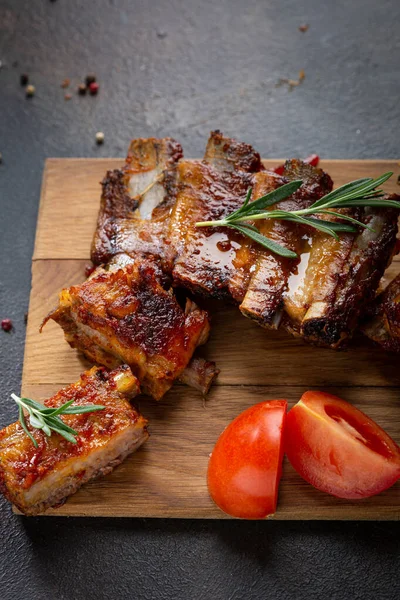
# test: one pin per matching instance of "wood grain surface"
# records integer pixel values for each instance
(167, 476)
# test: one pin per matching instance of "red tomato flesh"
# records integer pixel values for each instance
(246, 464)
(338, 449)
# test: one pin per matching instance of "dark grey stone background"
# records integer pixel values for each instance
(181, 68)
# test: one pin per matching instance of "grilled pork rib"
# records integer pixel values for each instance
(342, 276)
(384, 325)
(136, 200)
(34, 479)
(203, 259)
(125, 314)
(269, 284)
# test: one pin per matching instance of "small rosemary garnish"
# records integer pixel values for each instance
(47, 419)
(358, 193)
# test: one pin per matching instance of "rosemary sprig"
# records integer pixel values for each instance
(48, 419)
(358, 193)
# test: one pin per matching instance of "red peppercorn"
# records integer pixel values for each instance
(89, 270)
(6, 324)
(24, 79)
(93, 88)
(312, 160)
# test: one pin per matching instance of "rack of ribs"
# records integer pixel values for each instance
(127, 313)
(34, 479)
(150, 207)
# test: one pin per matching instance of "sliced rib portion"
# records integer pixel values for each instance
(199, 374)
(136, 201)
(34, 479)
(384, 326)
(227, 154)
(202, 259)
(269, 283)
(205, 259)
(124, 314)
(343, 275)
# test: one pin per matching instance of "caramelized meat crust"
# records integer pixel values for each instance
(35, 479)
(124, 314)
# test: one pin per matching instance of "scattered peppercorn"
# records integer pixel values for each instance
(89, 270)
(24, 78)
(82, 89)
(99, 137)
(1, 158)
(304, 27)
(30, 91)
(67, 96)
(93, 88)
(91, 78)
(6, 324)
(65, 83)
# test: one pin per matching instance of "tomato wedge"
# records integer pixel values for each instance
(246, 464)
(338, 449)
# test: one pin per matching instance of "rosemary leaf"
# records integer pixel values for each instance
(281, 193)
(359, 193)
(47, 418)
(264, 241)
(80, 410)
(24, 425)
(346, 218)
(333, 225)
(57, 422)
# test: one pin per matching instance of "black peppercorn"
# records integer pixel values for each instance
(91, 78)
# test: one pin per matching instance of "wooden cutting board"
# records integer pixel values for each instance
(167, 476)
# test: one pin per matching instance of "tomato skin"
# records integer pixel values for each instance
(323, 443)
(246, 464)
(312, 160)
(279, 170)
